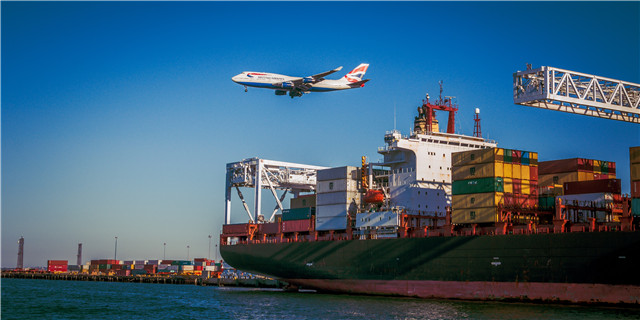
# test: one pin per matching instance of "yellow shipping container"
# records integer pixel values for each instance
(557, 178)
(474, 215)
(525, 187)
(634, 155)
(477, 156)
(508, 185)
(481, 170)
(525, 172)
(635, 171)
(585, 176)
(508, 170)
(476, 200)
(612, 176)
(517, 171)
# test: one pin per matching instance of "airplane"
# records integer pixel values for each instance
(297, 86)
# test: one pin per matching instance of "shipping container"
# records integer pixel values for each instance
(337, 185)
(378, 219)
(303, 201)
(346, 172)
(481, 185)
(474, 215)
(508, 185)
(333, 210)
(240, 229)
(634, 155)
(517, 171)
(296, 225)
(558, 178)
(297, 214)
(520, 200)
(270, 228)
(593, 186)
(477, 156)
(635, 189)
(635, 171)
(546, 203)
(565, 165)
(331, 223)
(533, 173)
(508, 170)
(480, 170)
(635, 206)
(57, 262)
(187, 268)
(476, 200)
(508, 156)
(343, 197)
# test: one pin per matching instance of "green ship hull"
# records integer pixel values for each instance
(583, 267)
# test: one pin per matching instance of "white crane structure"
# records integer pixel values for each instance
(267, 174)
(579, 93)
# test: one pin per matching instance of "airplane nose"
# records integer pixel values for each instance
(235, 78)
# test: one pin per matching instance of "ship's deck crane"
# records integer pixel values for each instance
(579, 93)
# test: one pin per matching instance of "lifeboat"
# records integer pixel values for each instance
(374, 196)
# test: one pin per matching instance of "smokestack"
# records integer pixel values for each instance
(20, 264)
(79, 262)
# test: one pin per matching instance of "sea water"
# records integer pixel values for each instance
(57, 299)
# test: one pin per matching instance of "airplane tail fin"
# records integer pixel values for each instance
(356, 74)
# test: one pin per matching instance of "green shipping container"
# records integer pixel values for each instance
(635, 206)
(481, 185)
(296, 214)
(547, 203)
(508, 156)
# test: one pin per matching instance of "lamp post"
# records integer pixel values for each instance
(188, 252)
(115, 253)
(164, 251)
(216, 252)
(209, 248)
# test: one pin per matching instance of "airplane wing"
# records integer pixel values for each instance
(319, 76)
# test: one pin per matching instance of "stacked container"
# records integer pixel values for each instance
(337, 195)
(484, 179)
(634, 157)
(297, 220)
(557, 172)
(57, 265)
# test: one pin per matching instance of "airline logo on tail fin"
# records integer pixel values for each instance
(356, 74)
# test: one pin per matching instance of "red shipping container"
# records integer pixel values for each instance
(116, 267)
(635, 189)
(57, 262)
(565, 165)
(198, 268)
(533, 173)
(123, 273)
(597, 176)
(270, 228)
(612, 167)
(516, 156)
(241, 229)
(296, 225)
(593, 186)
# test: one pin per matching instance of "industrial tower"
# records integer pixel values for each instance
(20, 264)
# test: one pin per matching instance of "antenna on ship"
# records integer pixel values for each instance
(394, 116)
(476, 127)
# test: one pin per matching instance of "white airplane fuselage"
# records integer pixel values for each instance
(296, 86)
(271, 81)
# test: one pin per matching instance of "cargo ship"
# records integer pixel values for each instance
(444, 216)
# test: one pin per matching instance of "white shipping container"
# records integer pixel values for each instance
(332, 210)
(337, 185)
(173, 268)
(599, 200)
(210, 268)
(138, 266)
(187, 268)
(153, 262)
(344, 197)
(338, 173)
(140, 262)
(331, 223)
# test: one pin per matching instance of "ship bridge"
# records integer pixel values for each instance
(579, 93)
(267, 174)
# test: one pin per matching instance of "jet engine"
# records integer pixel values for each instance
(308, 80)
(280, 92)
(287, 84)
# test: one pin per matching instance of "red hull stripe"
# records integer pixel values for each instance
(482, 290)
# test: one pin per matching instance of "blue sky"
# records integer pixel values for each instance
(118, 117)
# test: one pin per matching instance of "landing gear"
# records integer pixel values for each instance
(246, 89)
(295, 93)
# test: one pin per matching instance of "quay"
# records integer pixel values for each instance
(171, 279)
